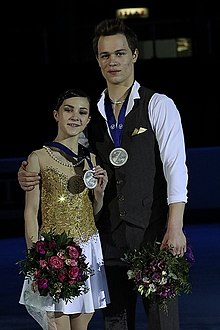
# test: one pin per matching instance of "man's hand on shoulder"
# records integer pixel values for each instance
(27, 180)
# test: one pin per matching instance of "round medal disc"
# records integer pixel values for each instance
(89, 179)
(118, 156)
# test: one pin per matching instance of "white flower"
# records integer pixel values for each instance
(130, 274)
(146, 279)
(163, 281)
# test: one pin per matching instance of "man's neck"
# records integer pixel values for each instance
(118, 93)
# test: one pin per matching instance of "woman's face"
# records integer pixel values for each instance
(72, 116)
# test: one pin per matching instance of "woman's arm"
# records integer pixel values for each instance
(32, 202)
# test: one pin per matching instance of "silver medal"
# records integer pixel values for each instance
(118, 157)
(89, 180)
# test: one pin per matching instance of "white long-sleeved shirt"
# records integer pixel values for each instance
(166, 124)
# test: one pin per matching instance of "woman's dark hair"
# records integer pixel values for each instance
(111, 27)
(71, 93)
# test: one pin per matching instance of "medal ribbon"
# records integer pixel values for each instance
(70, 152)
(115, 128)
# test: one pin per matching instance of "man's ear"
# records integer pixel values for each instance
(135, 55)
(98, 61)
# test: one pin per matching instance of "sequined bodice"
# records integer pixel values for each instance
(65, 210)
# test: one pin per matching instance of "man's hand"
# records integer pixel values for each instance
(27, 180)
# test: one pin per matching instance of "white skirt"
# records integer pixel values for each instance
(97, 296)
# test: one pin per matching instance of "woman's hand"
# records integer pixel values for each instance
(102, 179)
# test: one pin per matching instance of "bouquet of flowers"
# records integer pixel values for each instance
(158, 274)
(57, 267)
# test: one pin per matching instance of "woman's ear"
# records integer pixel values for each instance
(88, 120)
(55, 115)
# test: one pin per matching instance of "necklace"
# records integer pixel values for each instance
(117, 102)
(69, 164)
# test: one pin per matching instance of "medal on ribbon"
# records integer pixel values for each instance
(89, 179)
(118, 156)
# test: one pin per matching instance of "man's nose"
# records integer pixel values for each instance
(112, 60)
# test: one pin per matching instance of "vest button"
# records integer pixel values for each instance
(121, 198)
(119, 181)
(122, 213)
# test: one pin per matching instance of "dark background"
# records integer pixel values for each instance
(46, 48)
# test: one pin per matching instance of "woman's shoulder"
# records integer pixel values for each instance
(37, 153)
(35, 158)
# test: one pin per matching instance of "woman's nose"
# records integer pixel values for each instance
(74, 116)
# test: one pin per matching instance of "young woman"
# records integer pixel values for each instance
(69, 197)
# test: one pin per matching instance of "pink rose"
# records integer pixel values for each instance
(73, 272)
(43, 263)
(40, 247)
(73, 252)
(55, 262)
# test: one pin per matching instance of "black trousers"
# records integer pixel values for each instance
(120, 313)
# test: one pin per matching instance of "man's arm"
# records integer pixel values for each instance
(174, 235)
(27, 180)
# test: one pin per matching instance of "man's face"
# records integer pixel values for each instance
(116, 59)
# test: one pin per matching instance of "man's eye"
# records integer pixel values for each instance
(120, 53)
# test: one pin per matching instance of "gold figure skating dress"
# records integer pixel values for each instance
(66, 205)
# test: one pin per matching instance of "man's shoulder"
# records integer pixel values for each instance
(146, 91)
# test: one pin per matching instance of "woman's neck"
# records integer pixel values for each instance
(71, 143)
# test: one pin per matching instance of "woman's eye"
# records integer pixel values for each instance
(68, 109)
(83, 112)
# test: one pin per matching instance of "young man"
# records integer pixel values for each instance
(138, 138)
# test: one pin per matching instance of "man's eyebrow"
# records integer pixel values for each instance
(117, 50)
